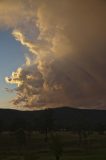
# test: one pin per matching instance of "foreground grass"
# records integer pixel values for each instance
(37, 149)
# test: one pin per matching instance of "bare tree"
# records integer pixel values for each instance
(56, 146)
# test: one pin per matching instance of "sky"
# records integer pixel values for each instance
(10, 51)
(53, 54)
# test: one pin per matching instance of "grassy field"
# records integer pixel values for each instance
(92, 147)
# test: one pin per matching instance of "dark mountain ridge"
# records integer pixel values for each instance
(64, 117)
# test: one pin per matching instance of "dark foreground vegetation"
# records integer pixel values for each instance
(55, 134)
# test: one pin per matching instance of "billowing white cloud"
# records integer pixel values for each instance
(67, 42)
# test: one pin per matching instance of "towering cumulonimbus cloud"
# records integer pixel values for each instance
(66, 40)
